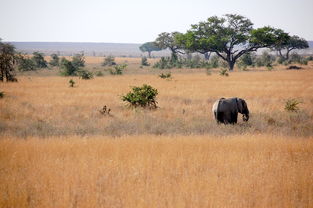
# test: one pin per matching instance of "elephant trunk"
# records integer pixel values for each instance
(245, 117)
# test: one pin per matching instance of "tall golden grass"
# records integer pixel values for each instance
(58, 150)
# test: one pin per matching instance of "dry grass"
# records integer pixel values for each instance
(150, 171)
(175, 156)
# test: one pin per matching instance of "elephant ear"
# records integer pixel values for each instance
(240, 105)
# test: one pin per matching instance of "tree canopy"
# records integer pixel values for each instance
(229, 37)
(168, 41)
(295, 42)
(149, 47)
(7, 62)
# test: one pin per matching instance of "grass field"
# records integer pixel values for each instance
(58, 150)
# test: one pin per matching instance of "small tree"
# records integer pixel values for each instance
(55, 60)
(149, 47)
(144, 96)
(84, 74)
(38, 59)
(229, 37)
(108, 61)
(67, 68)
(78, 60)
(144, 61)
(265, 59)
(168, 40)
(71, 82)
(7, 62)
(294, 42)
(25, 64)
(118, 69)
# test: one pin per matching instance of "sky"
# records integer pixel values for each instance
(139, 21)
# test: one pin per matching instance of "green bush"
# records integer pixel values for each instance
(1, 94)
(118, 69)
(25, 64)
(84, 74)
(108, 61)
(166, 75)
(246, 60)
(265, 59)
(223, 72)
(67, 68)
(99, 74)
(291, 105)
(38, 59)
(144, 61)
(144, 97)
(55, 60)
(71, 82)
(78, 60)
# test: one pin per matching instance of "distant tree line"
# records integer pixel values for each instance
(229, 37)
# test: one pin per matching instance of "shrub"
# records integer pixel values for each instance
(265, 59)
(84, 74)
(55, 60)
(71, 82)
(99, 74)
(223, 72)
(25, 64)
(144, 97)
(118, 69)
(144, 61)
(38, 59)
(67, 68)
(166, 75)
(108, 61)
(246, 60)
(1, 94)
(78, 60)
(291, 105)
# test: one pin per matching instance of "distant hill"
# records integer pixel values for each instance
(97, 49)
(89, 49)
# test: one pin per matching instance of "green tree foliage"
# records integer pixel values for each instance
(294, 42)
(149, 47)
(78, 60)
(67, 68)
(144, 96)
(84, 74)
(25, 64)
(38, 59)
(55, 60)
(144, 61)
(7, 62)
(265, 59)
(118, 69)
(108, 61)
(229, 37)
(168, 41)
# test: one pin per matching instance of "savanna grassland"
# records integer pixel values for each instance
(58, 150)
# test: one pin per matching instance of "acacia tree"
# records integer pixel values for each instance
(149, 47)
(295, 42)
(7, 62)
(39, 60)
(229, 37)
(168, 40)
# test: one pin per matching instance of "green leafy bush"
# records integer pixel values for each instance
(291, 105)
(38, 59)
(166, 75)
(55, 60)
(144, 96)
(1, 94)
(25, 64)
(223, 72)
(118, 69)
(84, 74)
(71, 82)
(78, 60)
(67, 68)
(144, 61)
(108, 61)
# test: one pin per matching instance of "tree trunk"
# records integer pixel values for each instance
(231, 64)
(207, 55)
(287, 54)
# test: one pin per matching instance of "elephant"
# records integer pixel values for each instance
(226, 110)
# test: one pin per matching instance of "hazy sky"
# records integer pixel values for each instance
(138, 21)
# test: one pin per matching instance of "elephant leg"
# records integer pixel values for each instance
(234, 118)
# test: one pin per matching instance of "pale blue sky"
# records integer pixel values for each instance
(138, 21)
